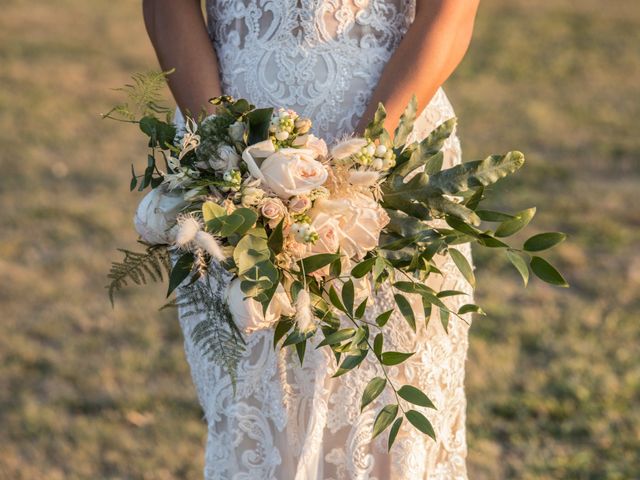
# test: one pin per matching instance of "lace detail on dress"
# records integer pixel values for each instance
(286, 421)
(320, 58)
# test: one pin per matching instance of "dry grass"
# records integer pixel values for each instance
(553, 377)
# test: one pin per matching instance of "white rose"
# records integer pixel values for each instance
(361, 225)
(274, 210)
(299, 204)
(347, 148)
(254, 154)
(292, 171)
(313, 143)
(359, 219)
(156, 214)
(247, 312)
(226, 159)
(327, 226)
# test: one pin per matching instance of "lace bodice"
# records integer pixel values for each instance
(323, 58)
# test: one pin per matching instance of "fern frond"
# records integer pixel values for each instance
(144, 96)
(217, 335)
(139, 268)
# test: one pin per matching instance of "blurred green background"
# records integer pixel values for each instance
(553, 375)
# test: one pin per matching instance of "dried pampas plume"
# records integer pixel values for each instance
(188, 227)
(304, 316)
(207, 242)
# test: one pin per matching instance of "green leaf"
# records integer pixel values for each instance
(348, 295)
(248, 217)
(544, 241)
(250, 251)
(470, 308)
(394, 358)
(383, 318)
(377, 344)
(393, 433)
(180, 271)
(461, 226)
(316, 262)
(300, 349)
(211, 210)
(547, 272)
(160, 133)
(518, 262)
(464, 176)
(405, 308)
(444, 319)
(419, 421)
(350, 363)
(276, 239)
(515, 224)
(405, 127)
(282, 328)
(259, 121)
(337, 337)
(361, 309)
(491, 216)
(374, 388)
(384, 419)
(335, 299)
(463, 265)
(362, 268)
(415, 396)
(376, 126)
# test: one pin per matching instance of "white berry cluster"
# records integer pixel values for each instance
(233, 178)
(304, 232)
(286, 125)
(377, 157)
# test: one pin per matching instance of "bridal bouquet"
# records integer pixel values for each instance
(303, 233)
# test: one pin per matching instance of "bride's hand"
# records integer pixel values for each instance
(178, 33)
(430, 51)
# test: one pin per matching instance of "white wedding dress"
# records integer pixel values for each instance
(323, 58)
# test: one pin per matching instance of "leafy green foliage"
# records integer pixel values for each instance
(139, 268)
(216, 334)
(144, 97)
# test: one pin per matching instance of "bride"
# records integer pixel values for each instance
(331, 61)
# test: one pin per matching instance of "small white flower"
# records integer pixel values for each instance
(380, 151)
(252, 196)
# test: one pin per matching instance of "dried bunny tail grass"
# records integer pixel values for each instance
(188, 227)
(304, 316)
(207, 242)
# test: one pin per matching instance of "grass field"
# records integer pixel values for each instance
(87, 392)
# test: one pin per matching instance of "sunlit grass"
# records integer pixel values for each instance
(89, 392)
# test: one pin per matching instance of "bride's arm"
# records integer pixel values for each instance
(430, 51)
(179, 35)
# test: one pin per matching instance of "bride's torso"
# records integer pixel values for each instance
(322, 58)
